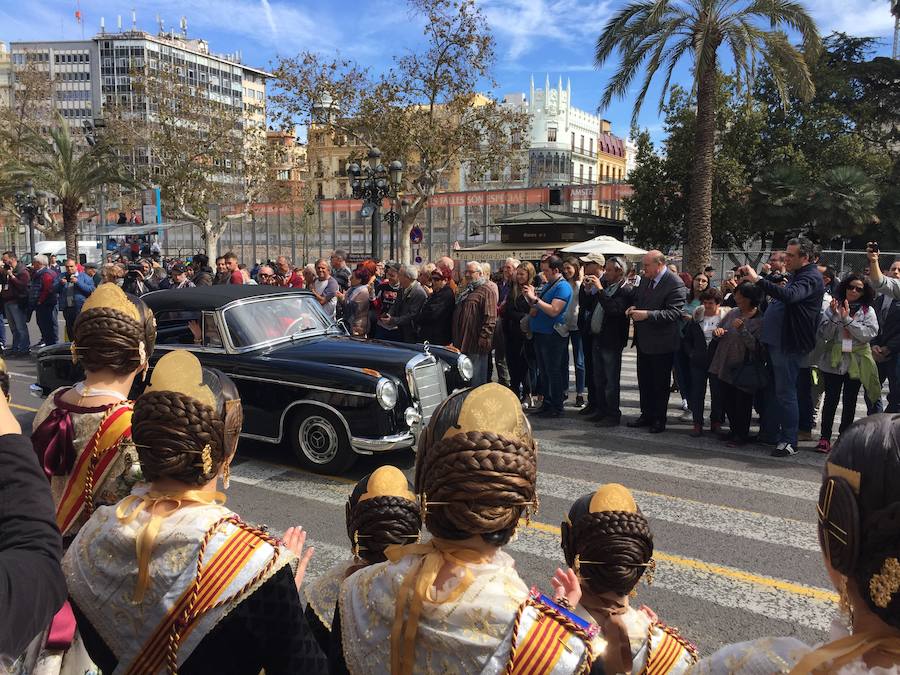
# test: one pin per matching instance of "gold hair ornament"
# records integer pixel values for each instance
(206, 459)
(180, 371)
(113, 297)
(226, 476)
(883, 585)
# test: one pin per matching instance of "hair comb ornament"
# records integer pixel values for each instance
(112, 297)
(181, 372)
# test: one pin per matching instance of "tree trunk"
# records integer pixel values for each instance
(70, 229)
(405, 228)
(211, 235)
(699, 222)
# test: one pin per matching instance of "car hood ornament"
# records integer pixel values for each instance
(427, 349)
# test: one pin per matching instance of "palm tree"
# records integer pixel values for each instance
(59, 166)
(844, 202)
(659, 33)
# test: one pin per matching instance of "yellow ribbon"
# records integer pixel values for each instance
(155, 504)
(416, 587)
(837, 654)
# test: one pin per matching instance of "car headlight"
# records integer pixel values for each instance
(465, 367)
(386, 393)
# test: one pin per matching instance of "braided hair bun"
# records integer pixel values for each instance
(113, 331)
(187, 423)
(382, 511)
(859, 512)
(476, 466)
(611, 539)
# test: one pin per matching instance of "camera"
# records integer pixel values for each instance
(872, 246)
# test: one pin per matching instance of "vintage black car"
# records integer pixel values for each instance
(302, 379)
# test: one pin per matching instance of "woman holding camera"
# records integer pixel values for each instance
(846, 328)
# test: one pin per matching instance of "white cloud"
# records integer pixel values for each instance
(869, 18)
(270, 18)
(524, 26)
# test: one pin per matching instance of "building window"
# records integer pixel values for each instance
(591, 146)
(582, 145)
(551, 134)
(581, 173)
(573, 140)
(284, 174)
(590, 174)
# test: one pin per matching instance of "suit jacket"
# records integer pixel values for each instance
(406, 309)
(660, 333)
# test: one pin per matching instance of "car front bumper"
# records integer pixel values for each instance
(372, 446)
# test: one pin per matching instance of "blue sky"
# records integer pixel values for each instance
(533, 36)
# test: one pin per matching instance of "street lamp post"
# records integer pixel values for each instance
(92, 130)
(372, 183)
(28, 206)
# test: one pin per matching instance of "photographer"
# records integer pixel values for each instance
(73, 288)
(139, 279)
(789, 333)
(15, 280)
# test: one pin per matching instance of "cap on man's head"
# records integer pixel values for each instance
(178, 268)
(596, 258)
(90, 266)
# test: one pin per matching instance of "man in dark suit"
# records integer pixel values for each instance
(656, 314)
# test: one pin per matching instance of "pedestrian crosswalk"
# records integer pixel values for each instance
(737, 551)
(734, 530)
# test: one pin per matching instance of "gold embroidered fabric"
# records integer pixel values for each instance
(459, 631)
(123, 474)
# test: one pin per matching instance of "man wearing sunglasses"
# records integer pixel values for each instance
(789, 333)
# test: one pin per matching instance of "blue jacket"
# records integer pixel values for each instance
(83, 287)
(802, 297)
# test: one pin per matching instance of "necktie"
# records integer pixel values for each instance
(652, 284)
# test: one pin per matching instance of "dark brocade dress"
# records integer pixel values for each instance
(267, 630)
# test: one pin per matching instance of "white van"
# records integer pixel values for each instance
(89, 251)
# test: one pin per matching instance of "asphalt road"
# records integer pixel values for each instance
(737, 552)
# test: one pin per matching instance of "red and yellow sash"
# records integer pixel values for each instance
(548, 639)
(197, 599)
(665, 655)
(92, 465)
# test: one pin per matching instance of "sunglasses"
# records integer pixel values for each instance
(264, 276)
(858, 289)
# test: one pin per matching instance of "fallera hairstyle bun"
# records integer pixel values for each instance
(114, 331)
(186, 431)
(859, 511)
(476, 466)
(382, 511)
(611, 539)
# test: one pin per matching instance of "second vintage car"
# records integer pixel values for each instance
(302, 379)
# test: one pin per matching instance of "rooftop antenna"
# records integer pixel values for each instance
(159, 23)
(119, 23)
(184, 26)
(102, 26)
(133, 19)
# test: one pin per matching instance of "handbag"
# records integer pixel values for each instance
(751, 374)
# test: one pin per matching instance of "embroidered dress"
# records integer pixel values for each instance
(771, 655)
(462, 633)
(321, 601)
(241, 570)
(110, 485)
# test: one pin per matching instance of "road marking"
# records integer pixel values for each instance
(694, 513)
(718, 584)
(22, 407)
(671, 468)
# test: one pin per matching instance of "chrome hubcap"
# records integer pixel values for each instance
(318, 439)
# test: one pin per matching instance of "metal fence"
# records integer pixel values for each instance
(843, 261)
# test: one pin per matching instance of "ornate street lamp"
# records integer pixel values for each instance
(373, 183)
(29, 205)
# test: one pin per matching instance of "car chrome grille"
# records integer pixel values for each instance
(430, 386)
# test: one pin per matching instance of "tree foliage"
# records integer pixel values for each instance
(826, 167)
(425, 110)
(68, 171)
(654, 35)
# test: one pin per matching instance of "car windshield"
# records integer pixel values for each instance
(259, 321)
